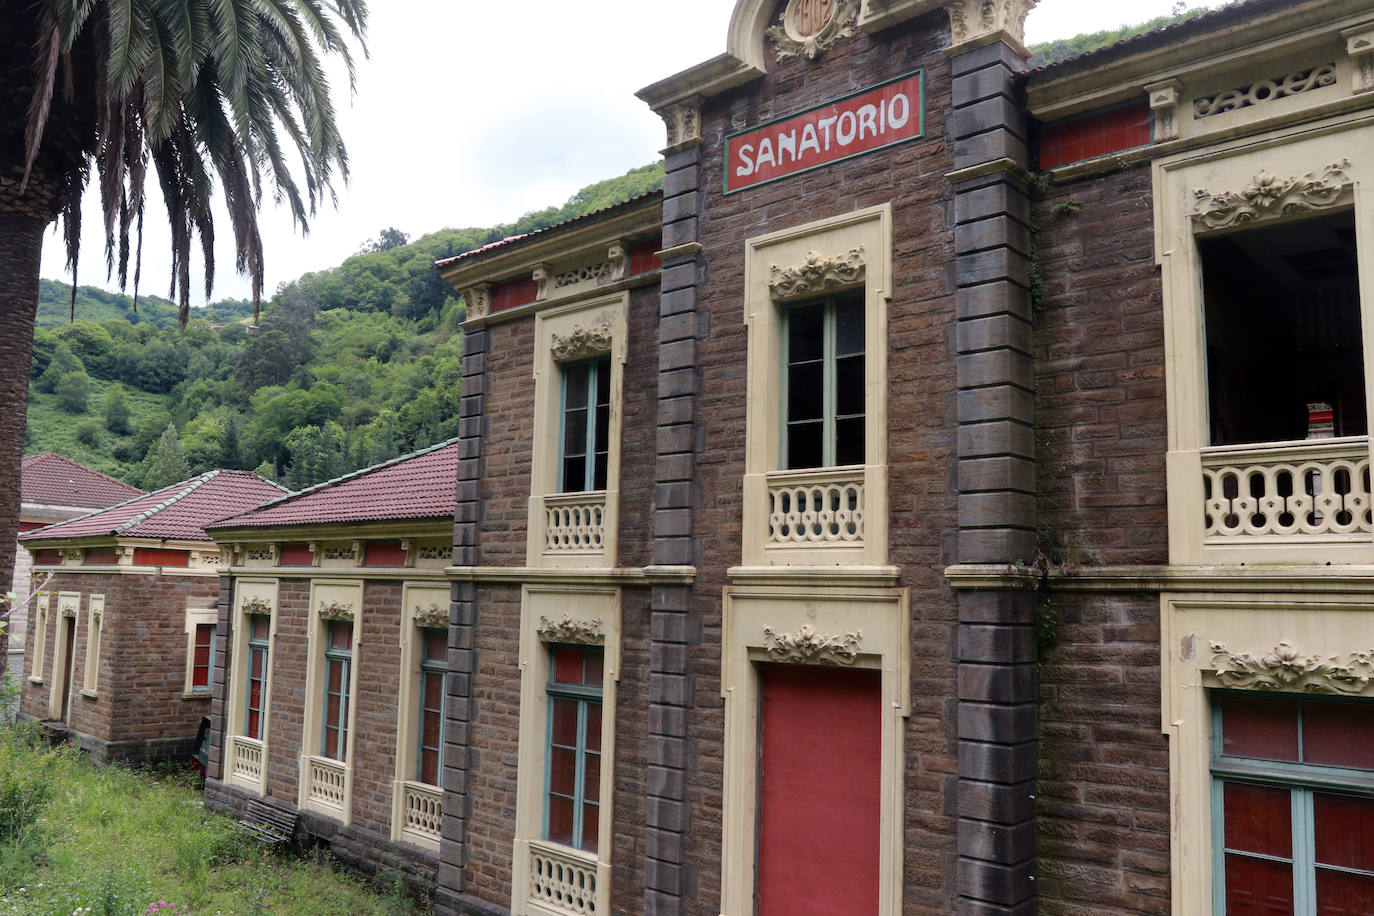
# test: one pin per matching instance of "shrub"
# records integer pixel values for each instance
(73, 391)
(87, 431)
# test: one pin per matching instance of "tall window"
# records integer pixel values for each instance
(586, 421)
(433, 664)
(1292, 786)
(259, 628)
(338, 663)
(573, 799)
(823, 385)
(202, 656)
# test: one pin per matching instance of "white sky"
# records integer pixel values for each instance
(470, 114)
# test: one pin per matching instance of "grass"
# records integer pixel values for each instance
(121, 842)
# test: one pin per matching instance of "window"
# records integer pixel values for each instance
(1292, 787)
(573, 792)
(823, 385)
(39, 641)
(95, 612)
(202, 656)
(1282, 314)
(586, 422)
(433, 665)
(338, 662)
(259, 627)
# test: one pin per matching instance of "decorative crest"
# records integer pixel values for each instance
(571, 630)
(582, 342)
(259, 606)
(434, 617)
(478, 299)
(809, 647)
(809, 28)
(817, 274)
(1284, 668)
(683, 120)
(1268, 196)
(970, 20)
(336, 610)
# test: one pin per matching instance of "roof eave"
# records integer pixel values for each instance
(424, 526)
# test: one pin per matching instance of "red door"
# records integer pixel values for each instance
(819, 791)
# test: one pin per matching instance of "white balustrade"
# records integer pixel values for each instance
(1288, 492)
(326, 781)
(824, 507)
(574, 522)
(245, 758)
(424, 805)
(562, 879)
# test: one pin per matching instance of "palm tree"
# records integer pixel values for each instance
(183, 91)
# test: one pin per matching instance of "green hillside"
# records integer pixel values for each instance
(348, 366)
(1051, 52)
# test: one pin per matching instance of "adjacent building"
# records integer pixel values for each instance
(124, 631)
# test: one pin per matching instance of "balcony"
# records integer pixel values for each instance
(574, 523)
(421, 813)
(245, 760)
(823, 507)
(562, 880)
(325, 786)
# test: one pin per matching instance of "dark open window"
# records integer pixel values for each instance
(433, 665)
(585, 442)
(1284, 353)
(823, 382)
(259, 628)
(338, 665)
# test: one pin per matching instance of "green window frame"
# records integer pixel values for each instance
(823, 384)
(259, 645)
(572, 780)
(338, 668)
(203, 658)
(584, 425)
(1311, 863)
(430, 740)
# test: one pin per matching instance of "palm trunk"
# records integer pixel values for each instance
(21, 247)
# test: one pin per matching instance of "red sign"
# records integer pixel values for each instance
(871, 119)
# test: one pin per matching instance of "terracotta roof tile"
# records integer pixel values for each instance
(180, 511)
(51, 480)
(417, 486)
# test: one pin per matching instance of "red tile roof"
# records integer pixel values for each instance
(417, 486)
(52, 480)
(180, 511)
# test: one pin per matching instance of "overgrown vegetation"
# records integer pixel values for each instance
(348, 367)
(1051, 52)
(117, 842)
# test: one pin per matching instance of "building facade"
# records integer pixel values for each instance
(124, 630)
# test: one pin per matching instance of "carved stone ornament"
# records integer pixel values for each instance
(809, 647)
(582, 341)
(970, 20)
(1266, 90)
(258, 606)
(69, 610)
(571, 630)
(1164, 103)
(817, 274)
(434, 617)
(541, 275)
(809, 28)
(336, 610)
(478, 299)
(1270, 196)
(1359, 44)
(1284, 668)
(683, 120)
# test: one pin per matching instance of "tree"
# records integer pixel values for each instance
(116, 411)
(73, 391)
(186, 92)
(165, 463)
(62, 364)
(387, 239)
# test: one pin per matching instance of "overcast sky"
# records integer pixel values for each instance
(470, 114)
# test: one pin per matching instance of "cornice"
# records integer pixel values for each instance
(346, 531)
(844, 576)
(645, 575)
(1228, 579)
(349, 572)
(648, 278)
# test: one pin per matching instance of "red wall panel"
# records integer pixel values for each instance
(297, 555)
(1095, 135)
(385, 553)
(149, 556)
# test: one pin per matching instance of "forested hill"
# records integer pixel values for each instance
(1051, 52)
(347, 367)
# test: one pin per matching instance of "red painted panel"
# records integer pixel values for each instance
(47, 558)
(511, 293)
(1095, 135)
(385, 553)
(1258, 887)
(1344, 831)
(1343, 894)
(1260, 727)
(150, 556)
(100, 556)
(297, 555)
(1338, 735)
(819, 791)
(31, 526)
(1258, 819)
(644, 257)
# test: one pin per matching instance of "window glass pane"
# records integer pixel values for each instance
(805, 394)
(804, 338)
(567, 665)
(849, 385)
(575, 379)
(1258, 819)
(563, 772)
(599, 472)
(433, 722)
(1344, 831)
(1258, 887)
(1343, 894)
(590, 827)
(252, 730)
(434, 691)
(429, 766)
(574, 475)
(1259, 727)
(436, 645)
(561, 820)
(593, 726)
(804, 445)
(331, 743)
(594, 657)
(591, 778)
(258, 629)
(603, 381)
(849, 325)
(1338, 735)
(335, 677)
(849, 441)
(575, 433)
(565, 722)
(340, 635)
